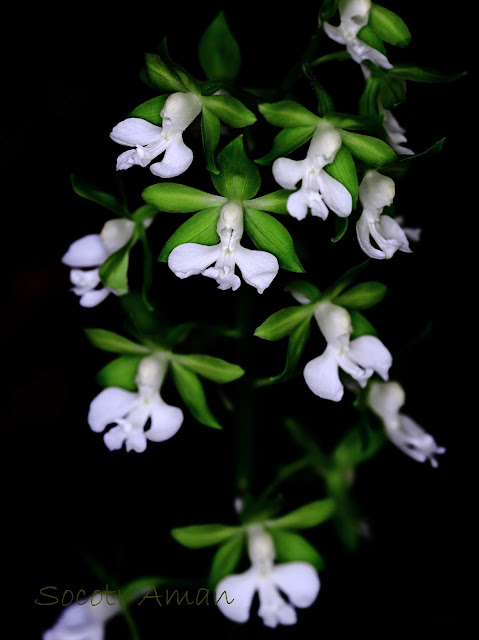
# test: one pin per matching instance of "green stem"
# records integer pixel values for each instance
(338, 55)
(285, 473)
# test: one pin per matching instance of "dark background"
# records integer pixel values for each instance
(69, 77)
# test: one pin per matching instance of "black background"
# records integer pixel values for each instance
(69, 77)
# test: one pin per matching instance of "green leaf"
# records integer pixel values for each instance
(370, 37)
(345, 280)
(178, 198)
(218, 52)
(270, 235)
(110, 341)
(389, 26)
(288, 113)
(370, 150)
(226, 559)
(362, 296)
(422, 74)
(210, 367)
(310, 515)
(283, 322)
(392, 92)
(325, 102)
(85, 189)
(210, 132)
(144, 212)
(285, 142)
(307, 289)
(328, 9)
(400, 167)
(347, 121)
(361, 326)
(203, 535)
(291, 547)
(230, 110)
(160, 75)
(120, 372)
(238, 177)
(358, 446)
(296, 343)
(150, 110)
(114, 271)
(200, 228)
(340, 228)
(368, 103)
(191, 390)
(274, 202)
(343, 169)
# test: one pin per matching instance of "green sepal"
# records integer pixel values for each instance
(328, 9)
(288, 114)
(218, 51)
(210, 133)
(296, 344)
(422, 74)
(226, 559)
(361, 326)
(203, 535)
(370, 37)
(392, 92)
(191, 390)
(114, 271)
(274, 202)
(285, 142)
(292, 547)
(347, 121)
(368, 103)
(309, 515)
(238, 177)
(362, 296)
(340, 228)
(270, 235)
(343, 169)
(179, 198)
(150, 110)
(389, 26)
(357, 446)
(345, 280)
(284, 322)
(401, 166)
(120, 372)
(200, 228)
(325, 102)
(160, 75)
(230, 110)
(372, 151)
(210, 367)
(110, 341)
(85, 189)
(144, 212)
(308, 289)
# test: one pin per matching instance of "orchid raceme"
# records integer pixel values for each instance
(360, 357)
(91, 251)
(318, 189)
(150, 140)
(85, 620)
(299, 581)
(258, 268)
(354, 16)
(130, 411)
(376, 191)
(385, 399)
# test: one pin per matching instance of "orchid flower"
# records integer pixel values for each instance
(376, 192)
(258, 268)
(150, 141)
(130, 411)
(91, 251)
(299, 581)
(83, 621)
(360, 357)
(354, 16)
(318, 189)
(385, 399)
(395, 134)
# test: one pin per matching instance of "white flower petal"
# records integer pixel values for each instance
(386, 398)
(191, 259)
(299, 581)
(116, 233)
(317, 206)
(114, 438)
(258, 268)
(414, 441)
(370, 353)
(334, 33)
(84, 280)
(178, 157)
(109, 405)
(93, 298)
(335, 194)
(322, 376)
(136, 441)
(165, 421)
(362, 231)
(297, 204)
(239, 593)
(393, 234)
(135, 131)
(360, 51)
(88, 251)
(287, 172)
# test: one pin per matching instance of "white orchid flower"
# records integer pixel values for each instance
(385, 399)
(130, 411)
(318, 189)
(360, 357)
(376, 192)
(84, 621)
(354, 16)
(150, 140)
(258, 268)
(92, 251)
(297, 580)
(395, 134)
